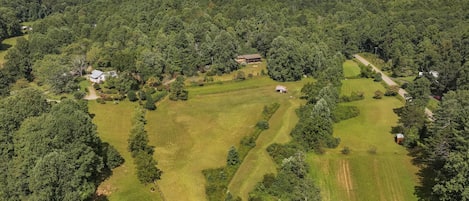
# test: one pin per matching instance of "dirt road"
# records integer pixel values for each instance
(92, 94)
(390, 82)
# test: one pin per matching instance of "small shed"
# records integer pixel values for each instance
(281, 89)
(248, 58)
(399, 138)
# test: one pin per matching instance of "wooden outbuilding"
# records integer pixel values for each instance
(248, 58)
(399, 138)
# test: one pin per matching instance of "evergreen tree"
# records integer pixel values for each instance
(233, 157)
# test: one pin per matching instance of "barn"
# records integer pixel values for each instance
(248, 58)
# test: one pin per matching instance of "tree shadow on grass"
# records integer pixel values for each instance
(426, 176)
(4, 46)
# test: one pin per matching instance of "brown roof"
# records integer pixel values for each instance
(250, 56)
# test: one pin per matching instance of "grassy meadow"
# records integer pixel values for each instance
(376, 168)
(114, 122)
(351, 69)
(195, 135)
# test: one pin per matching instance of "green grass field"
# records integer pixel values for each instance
(114, 122)
(360, 175)
(351, 69)
(195, 135)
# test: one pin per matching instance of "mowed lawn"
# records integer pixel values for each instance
(386, 175)
(114, 122)
(351, 69)
(196, 134)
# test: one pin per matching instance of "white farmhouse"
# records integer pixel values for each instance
(98, 76)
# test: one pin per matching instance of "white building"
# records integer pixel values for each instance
(98, 76)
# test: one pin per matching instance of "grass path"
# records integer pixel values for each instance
(114, 122)
(361, 175)
(258, 162)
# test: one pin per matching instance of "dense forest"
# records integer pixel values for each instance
(150, 41)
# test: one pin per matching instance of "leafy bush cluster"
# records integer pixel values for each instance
(354, 96)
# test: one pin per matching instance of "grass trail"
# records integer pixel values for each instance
(258, 162)
(5, 45)
(114, 122)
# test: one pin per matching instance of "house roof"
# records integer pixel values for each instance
(400, 135)
(250, 56)
(95, 74)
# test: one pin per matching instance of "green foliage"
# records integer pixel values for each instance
(346, 150)
(147, 172)
(233, 157)
(112, 157)
(132, 96)
(178, 91)
(392, 90)
(263, 125)
(365, 71)
(79, 94)
(378, 94)
(150, 104)
(58, 154)
(377, 77)
(354, 96)
(342, 112)
(291, 183)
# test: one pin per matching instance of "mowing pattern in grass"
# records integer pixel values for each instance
(351, 69)
(114, 122)
(219, 178)
(195, 135)
(387, 174)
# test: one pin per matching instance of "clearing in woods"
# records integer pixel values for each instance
(194, 135)
(376, 168)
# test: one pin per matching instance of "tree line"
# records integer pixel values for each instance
(50, 152)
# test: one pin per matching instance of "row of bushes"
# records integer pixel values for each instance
(219, 178)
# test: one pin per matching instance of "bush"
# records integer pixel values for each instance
(240, 76)
(150, 104)
(132, 96)
(263, 125)
(97, 86)
(346, 150)
(79, 94)
(378, 94)
(392, 91)
(248, 141)
(341, 113)
(142, 95)
(101, 101)
(377, 77)
(354, 96)
(113, 158)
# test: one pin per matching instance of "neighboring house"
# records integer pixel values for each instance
(281, 89)
(98, 76)
(433, 73)
(248, 58)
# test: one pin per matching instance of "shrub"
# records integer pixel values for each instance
(113, 158)
(378, 94)
(240, 76)
(392, 90)
(97, 86)
(101, 101)
(150, 104)
(248, 141)
(377, 77)
(142, 95)
(346, 150)
(233, 157)
(342, 112)
(132, 96)
(354, 96)
(79, 94)
(262, 124)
